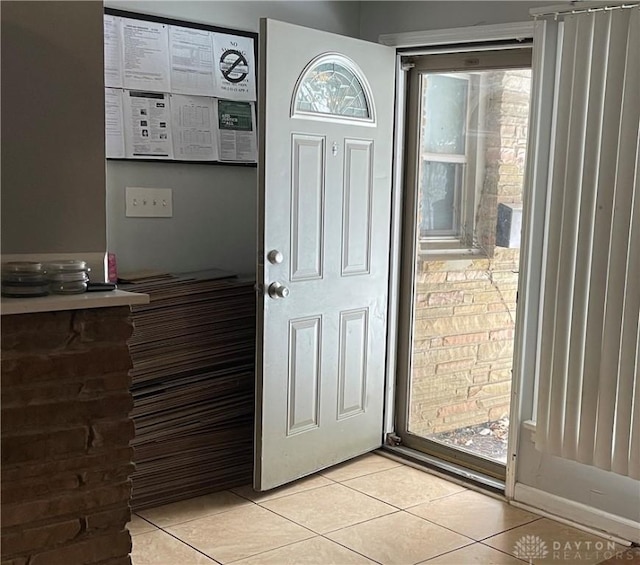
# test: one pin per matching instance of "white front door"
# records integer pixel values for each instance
(326, 131)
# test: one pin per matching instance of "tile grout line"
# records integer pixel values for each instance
(350, 548)
(426, 561)
(334, 481)
(467, 535)
(394, 505)
(299, 541)
(289, 520)
(163, 529)
(406, 510)
(324, 486)
(400, 511)
(286, 495)
(315, 534)
(231, 508)
(395, 510)
(325, 534)
(188, 545)
(368, 474)
(447, 495)
(245, 502)
(330, 531)
(387, 502)
(445, 528)
(268, 550)
(509, 529)
(247, 556)
(503, 552)
(340, 481)
(140, 518)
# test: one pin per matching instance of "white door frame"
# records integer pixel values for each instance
(529, 286)
(395, 255)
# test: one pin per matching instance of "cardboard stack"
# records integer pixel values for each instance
(193, 351)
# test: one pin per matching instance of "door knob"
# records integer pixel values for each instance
(275, 257)
(277, 290)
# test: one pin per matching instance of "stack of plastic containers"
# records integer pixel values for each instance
(67, 277)
(22, 279)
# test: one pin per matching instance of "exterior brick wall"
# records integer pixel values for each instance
(465, 307)
(66, 459)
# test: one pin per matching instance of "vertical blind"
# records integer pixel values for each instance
(588, 407)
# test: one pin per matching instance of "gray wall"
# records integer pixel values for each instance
(213, 224)
(53, 180)
(399, 16)
(214, 221)
(338, 16)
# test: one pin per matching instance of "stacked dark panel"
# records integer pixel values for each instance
(193, 350)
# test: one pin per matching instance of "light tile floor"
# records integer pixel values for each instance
(369, 510)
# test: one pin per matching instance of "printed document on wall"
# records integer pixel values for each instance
(234, 66)
(114, 130)
(191, 53)
(147, 125)
(112, 51)
(237, 131)
(192, 128)
(146, 55)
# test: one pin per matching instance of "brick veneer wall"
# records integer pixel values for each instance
(463, 345)
(66, 459)
(465, 308)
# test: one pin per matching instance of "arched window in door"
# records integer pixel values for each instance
(332, 86)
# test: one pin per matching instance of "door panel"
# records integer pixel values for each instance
(304, 374)
(324, 205)
(307, 207)
(354, 335)
(358, 187)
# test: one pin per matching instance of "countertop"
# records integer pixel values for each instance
(57, 302)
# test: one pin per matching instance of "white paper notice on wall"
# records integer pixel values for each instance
(145, 47)
(235, 67)
(191, 59)
(114, 129)
(112, 51)
(193, 128)
(147, 125)
(236, 122)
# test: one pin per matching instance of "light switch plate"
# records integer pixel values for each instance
(148, 202)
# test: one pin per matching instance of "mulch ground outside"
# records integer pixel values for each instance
(488, 440)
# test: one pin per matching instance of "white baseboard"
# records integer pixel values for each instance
(576, 514)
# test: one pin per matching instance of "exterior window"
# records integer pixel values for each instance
(466, 130)
(330, 86)
(441, 187)
(443, 162)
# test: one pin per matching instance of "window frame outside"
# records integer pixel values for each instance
(464, 196)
